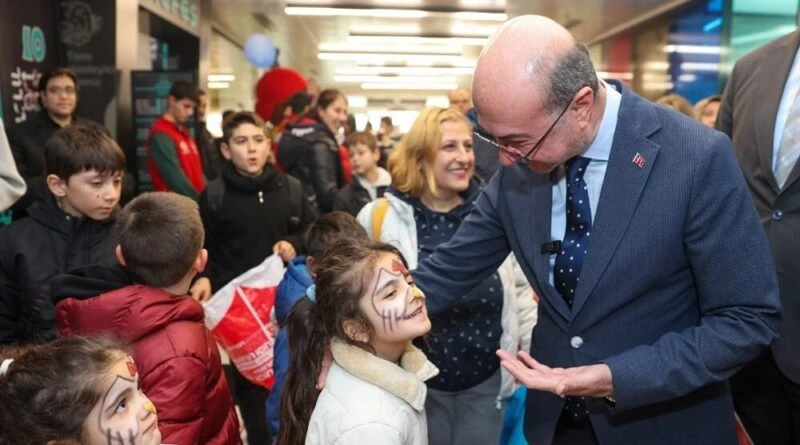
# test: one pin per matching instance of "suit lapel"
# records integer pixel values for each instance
(534, 228)
(779, 62)
(622, 186)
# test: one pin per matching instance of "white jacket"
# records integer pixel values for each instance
(368, 400)
(519, 307)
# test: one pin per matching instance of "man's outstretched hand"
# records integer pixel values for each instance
(588, 381)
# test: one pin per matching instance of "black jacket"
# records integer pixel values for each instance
(27, 140)
(353, 197)
(33, 251)
(255, 213)
(309, 152)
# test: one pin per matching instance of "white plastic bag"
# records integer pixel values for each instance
(242, 318)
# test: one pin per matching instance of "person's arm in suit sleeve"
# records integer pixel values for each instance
(476, 250)
(177, 388)
(736, 287)
(725, 115)
(165, 156)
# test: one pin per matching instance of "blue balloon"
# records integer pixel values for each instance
(260, 51)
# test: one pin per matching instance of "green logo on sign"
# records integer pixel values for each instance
(33, 44)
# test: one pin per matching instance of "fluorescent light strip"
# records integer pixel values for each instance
(487, 16)
(693, 49)
(353, 12)
(221, 77)
(697, 66)
(392, 49)
(407, 86)
(406, 71)
(472, 31)
(218, 85)
(464, 41)
(394, 13)
(405, 30)
(409, 58)
(394, 79)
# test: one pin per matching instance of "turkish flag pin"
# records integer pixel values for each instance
(638, 160)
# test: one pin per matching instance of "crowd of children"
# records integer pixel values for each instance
(122, 289)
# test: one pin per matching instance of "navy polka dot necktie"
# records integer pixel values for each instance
(567, 269)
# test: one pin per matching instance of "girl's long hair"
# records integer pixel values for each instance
(344, 273)
(49, 390)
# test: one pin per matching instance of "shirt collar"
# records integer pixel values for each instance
(601, 146)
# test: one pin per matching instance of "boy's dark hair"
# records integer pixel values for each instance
(182, 89)
(386, 120)
(160, 235)
(52, 74)
(364, 138)
(331, 227)
(299, 101)
(239, 118)
(78, 148)
(49, 390)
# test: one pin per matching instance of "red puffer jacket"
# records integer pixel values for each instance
(178, 361)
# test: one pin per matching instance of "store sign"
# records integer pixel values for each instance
(186, 12)
(25, 53)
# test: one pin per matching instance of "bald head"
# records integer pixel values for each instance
(526, 59)
(460, 100)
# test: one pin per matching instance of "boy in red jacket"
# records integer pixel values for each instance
(145, 303)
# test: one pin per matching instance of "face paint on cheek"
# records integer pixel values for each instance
(115, 429)
(391, 310)
(149, 407)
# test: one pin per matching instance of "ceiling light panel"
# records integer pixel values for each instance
(405, 71)
(417, 40)
(406, 86)
(387, 48)
(393, 79)
(411, 59)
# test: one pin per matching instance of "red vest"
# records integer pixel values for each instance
(188, 155)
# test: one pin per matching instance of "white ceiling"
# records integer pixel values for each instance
(299, 37)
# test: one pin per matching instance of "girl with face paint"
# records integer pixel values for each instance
(367, 309)
(74, 391)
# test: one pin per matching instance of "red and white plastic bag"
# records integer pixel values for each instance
(241, 316)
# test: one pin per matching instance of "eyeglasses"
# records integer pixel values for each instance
(512, 152)
(55, 91)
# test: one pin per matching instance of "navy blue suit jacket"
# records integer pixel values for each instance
(678, 290)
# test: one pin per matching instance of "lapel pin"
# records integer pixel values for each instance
(638, 160)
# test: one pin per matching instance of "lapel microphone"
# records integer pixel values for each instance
(552, 247)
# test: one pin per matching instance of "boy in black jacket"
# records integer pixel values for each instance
(249, 212)
(72, 226)
(369, 180)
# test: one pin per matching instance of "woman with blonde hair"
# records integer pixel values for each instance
(433, 190)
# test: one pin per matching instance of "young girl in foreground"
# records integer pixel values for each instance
(367, 309)
(74, 391)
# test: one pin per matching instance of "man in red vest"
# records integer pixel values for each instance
(172, 157)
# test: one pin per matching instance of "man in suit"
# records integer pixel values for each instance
(760, 111)
(647, 302)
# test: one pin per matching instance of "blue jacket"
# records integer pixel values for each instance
(293, 287)
(677, 293)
